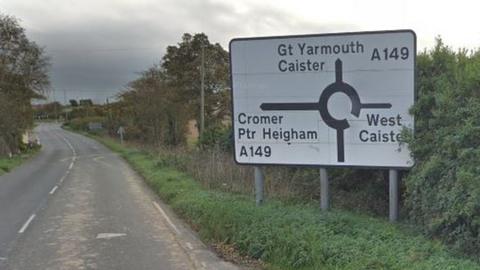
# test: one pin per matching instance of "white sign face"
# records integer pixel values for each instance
(331, 100)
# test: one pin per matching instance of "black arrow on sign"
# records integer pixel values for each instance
(339, 86)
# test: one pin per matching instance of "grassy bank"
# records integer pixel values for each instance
(290, 236)
(7, 164)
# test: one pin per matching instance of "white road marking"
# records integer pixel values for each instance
(166, 217)
(69, 145)
(3, 259)
(110, 235)
(74, 158)
(32, 217)
(61, 179)
(53, 190)
(99, 159)
(189, 245)
(27, 223)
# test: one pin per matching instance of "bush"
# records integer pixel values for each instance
(219, 137)
(81, 124)
(443, 189)
(8, 163)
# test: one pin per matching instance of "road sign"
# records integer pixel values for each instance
(121, 132)
(330, 100)
(95, 126)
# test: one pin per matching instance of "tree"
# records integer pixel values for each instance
(23, 76)
(73, 103)
(182, 71)
(48, 111)
(158, 105)
(86, 102)
(155, 109)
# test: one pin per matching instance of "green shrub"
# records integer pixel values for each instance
(217, 136)
(81, 123)
(7, 164)
(443, 189)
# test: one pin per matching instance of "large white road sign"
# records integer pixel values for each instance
(331, 100)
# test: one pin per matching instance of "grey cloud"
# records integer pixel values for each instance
(96, 51)
(226, 22)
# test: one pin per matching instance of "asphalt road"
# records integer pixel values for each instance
(77, 205)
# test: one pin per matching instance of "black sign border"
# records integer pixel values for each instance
(415, 94)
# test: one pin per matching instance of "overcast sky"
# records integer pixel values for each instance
(98, 46)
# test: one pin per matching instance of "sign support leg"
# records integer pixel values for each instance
(259, 185)
(393, 195)
(324, 193)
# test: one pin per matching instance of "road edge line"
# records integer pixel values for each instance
(53, 190)
(169, 221)
(26, 224)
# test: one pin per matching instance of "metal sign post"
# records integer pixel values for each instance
(393, 195)
(259, 185)
(324, 192)
(121, 132)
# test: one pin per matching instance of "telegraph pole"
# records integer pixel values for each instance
(202, 93)
(109, 112)
(65, 104)
(55, 106)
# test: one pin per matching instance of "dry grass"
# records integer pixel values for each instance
(215, 169)
(359, 191)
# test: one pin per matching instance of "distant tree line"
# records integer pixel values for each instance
(56, 110)
(23, 76)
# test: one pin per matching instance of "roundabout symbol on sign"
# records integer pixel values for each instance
(339, 86)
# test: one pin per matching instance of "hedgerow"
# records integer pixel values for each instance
(443, 188)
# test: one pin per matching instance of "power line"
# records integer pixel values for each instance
(93, 50)
(86, 90)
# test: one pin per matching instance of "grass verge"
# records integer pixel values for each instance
(7, 164)
(290, 236)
